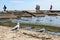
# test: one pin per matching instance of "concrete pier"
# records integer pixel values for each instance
(29, 13)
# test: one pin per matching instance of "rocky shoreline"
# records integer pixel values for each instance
(7, 34)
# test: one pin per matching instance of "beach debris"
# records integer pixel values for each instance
(42, 30)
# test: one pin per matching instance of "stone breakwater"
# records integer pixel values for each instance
(7, 34)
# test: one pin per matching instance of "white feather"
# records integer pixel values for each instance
(17, 26)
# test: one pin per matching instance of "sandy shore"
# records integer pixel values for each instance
(7, 34)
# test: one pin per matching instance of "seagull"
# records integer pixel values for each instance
(16, 27)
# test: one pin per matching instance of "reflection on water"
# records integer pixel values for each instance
(47, 20)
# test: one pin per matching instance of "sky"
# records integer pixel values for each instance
(29, 4)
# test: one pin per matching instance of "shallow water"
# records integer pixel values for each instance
(47, 20)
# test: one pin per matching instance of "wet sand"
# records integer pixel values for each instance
(7, 34)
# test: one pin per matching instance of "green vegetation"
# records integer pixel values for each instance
(7, 23)
(48, 27)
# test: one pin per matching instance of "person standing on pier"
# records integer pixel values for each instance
(4, 8)
(37, 8)
(51, 8)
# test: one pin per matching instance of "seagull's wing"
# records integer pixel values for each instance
(15, 27)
